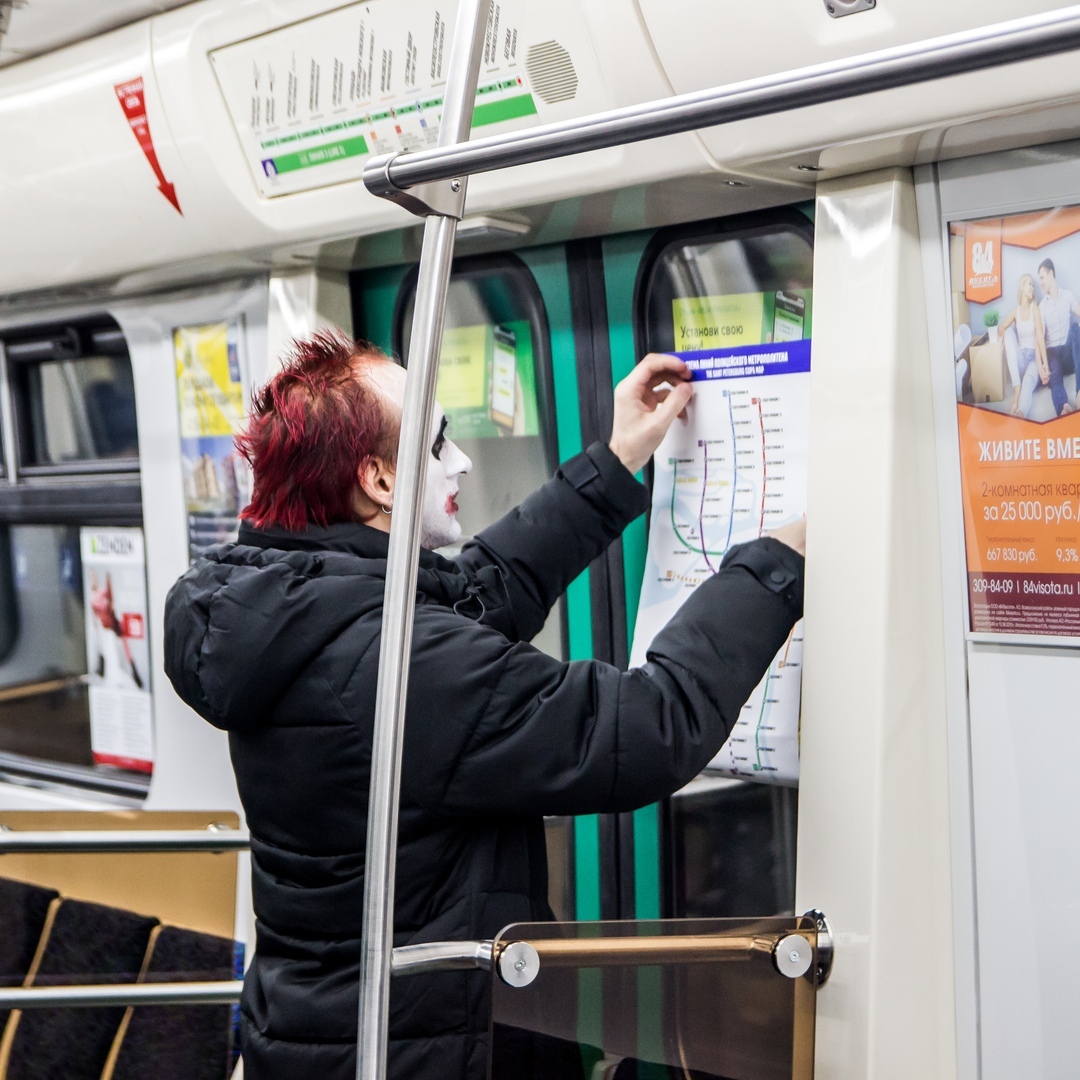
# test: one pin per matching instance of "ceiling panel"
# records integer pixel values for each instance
(38, 26)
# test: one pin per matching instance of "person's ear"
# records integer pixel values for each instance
(377, 482)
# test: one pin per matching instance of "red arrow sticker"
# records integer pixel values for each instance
(133, 101)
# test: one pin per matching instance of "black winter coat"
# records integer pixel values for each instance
(275, 639)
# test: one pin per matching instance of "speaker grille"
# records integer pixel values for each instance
(551, 72)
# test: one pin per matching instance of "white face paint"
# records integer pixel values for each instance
(439, 525)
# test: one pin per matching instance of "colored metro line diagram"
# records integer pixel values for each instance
(733, 471)
(732, 483)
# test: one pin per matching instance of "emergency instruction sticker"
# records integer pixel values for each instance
(733, 471)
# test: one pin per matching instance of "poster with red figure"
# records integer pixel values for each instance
(117, 647)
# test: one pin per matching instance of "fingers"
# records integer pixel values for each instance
(674, 404)
(656, 368)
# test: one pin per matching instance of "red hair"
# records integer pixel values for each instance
(312, 427)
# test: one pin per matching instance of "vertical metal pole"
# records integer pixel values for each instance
(397, 625)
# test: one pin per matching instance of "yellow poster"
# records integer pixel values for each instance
(208, 380)
(708, 322)
(210, 390)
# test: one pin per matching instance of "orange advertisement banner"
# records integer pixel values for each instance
(1021, 492)
(982, 261)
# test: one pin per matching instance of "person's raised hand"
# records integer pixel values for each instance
(794, 535)
(645, 407)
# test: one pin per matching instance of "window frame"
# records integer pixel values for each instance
(509, 265)
(505, 263)
(58, 342)
(93, 492)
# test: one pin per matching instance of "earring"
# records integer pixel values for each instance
(385, 510)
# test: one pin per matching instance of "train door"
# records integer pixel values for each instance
(722, 846)
(570, 321)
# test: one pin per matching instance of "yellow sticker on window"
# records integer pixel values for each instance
(463, 368)
(718, 322)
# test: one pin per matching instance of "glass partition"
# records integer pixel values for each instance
(663, 1000)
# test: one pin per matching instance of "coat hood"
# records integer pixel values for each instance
(248, 618)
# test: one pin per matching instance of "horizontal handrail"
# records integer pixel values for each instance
(54, 997)
(1003, 43)
(48, 686)
(415, 960)
(674, 949)
(441, 956)
(519, 962)
(133, 840)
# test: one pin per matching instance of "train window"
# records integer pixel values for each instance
(75, 703)
(729, 846)
(75, 398)
(43, 693)
(495, 385)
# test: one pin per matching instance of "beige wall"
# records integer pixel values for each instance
(196, 891)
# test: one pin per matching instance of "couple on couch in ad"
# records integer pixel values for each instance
(1045, 344)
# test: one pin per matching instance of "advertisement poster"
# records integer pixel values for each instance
(487, 381)
(736, 469)
(117, 649)
(1016, 342)
(210, 389)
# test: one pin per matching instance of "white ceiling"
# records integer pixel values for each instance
(38, 26)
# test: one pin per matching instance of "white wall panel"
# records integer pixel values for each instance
(191, 758)
(1021, 741)
(873, 798)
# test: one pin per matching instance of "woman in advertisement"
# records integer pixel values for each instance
(1028, 365)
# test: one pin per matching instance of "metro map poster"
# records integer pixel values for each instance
(734, 470)
(1016, 348)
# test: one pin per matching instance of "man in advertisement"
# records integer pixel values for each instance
(1057, 307)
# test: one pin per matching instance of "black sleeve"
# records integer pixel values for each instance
(544, 543)
(521, 733)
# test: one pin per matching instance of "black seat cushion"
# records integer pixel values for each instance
(89, 943)
(23, 911)
(178, 1042)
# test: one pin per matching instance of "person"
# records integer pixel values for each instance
(1057, 307)
(276, 638)
(1030, 367)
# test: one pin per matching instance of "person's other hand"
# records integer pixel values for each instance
(645, 408)
(1044, 375)
(794, 535)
